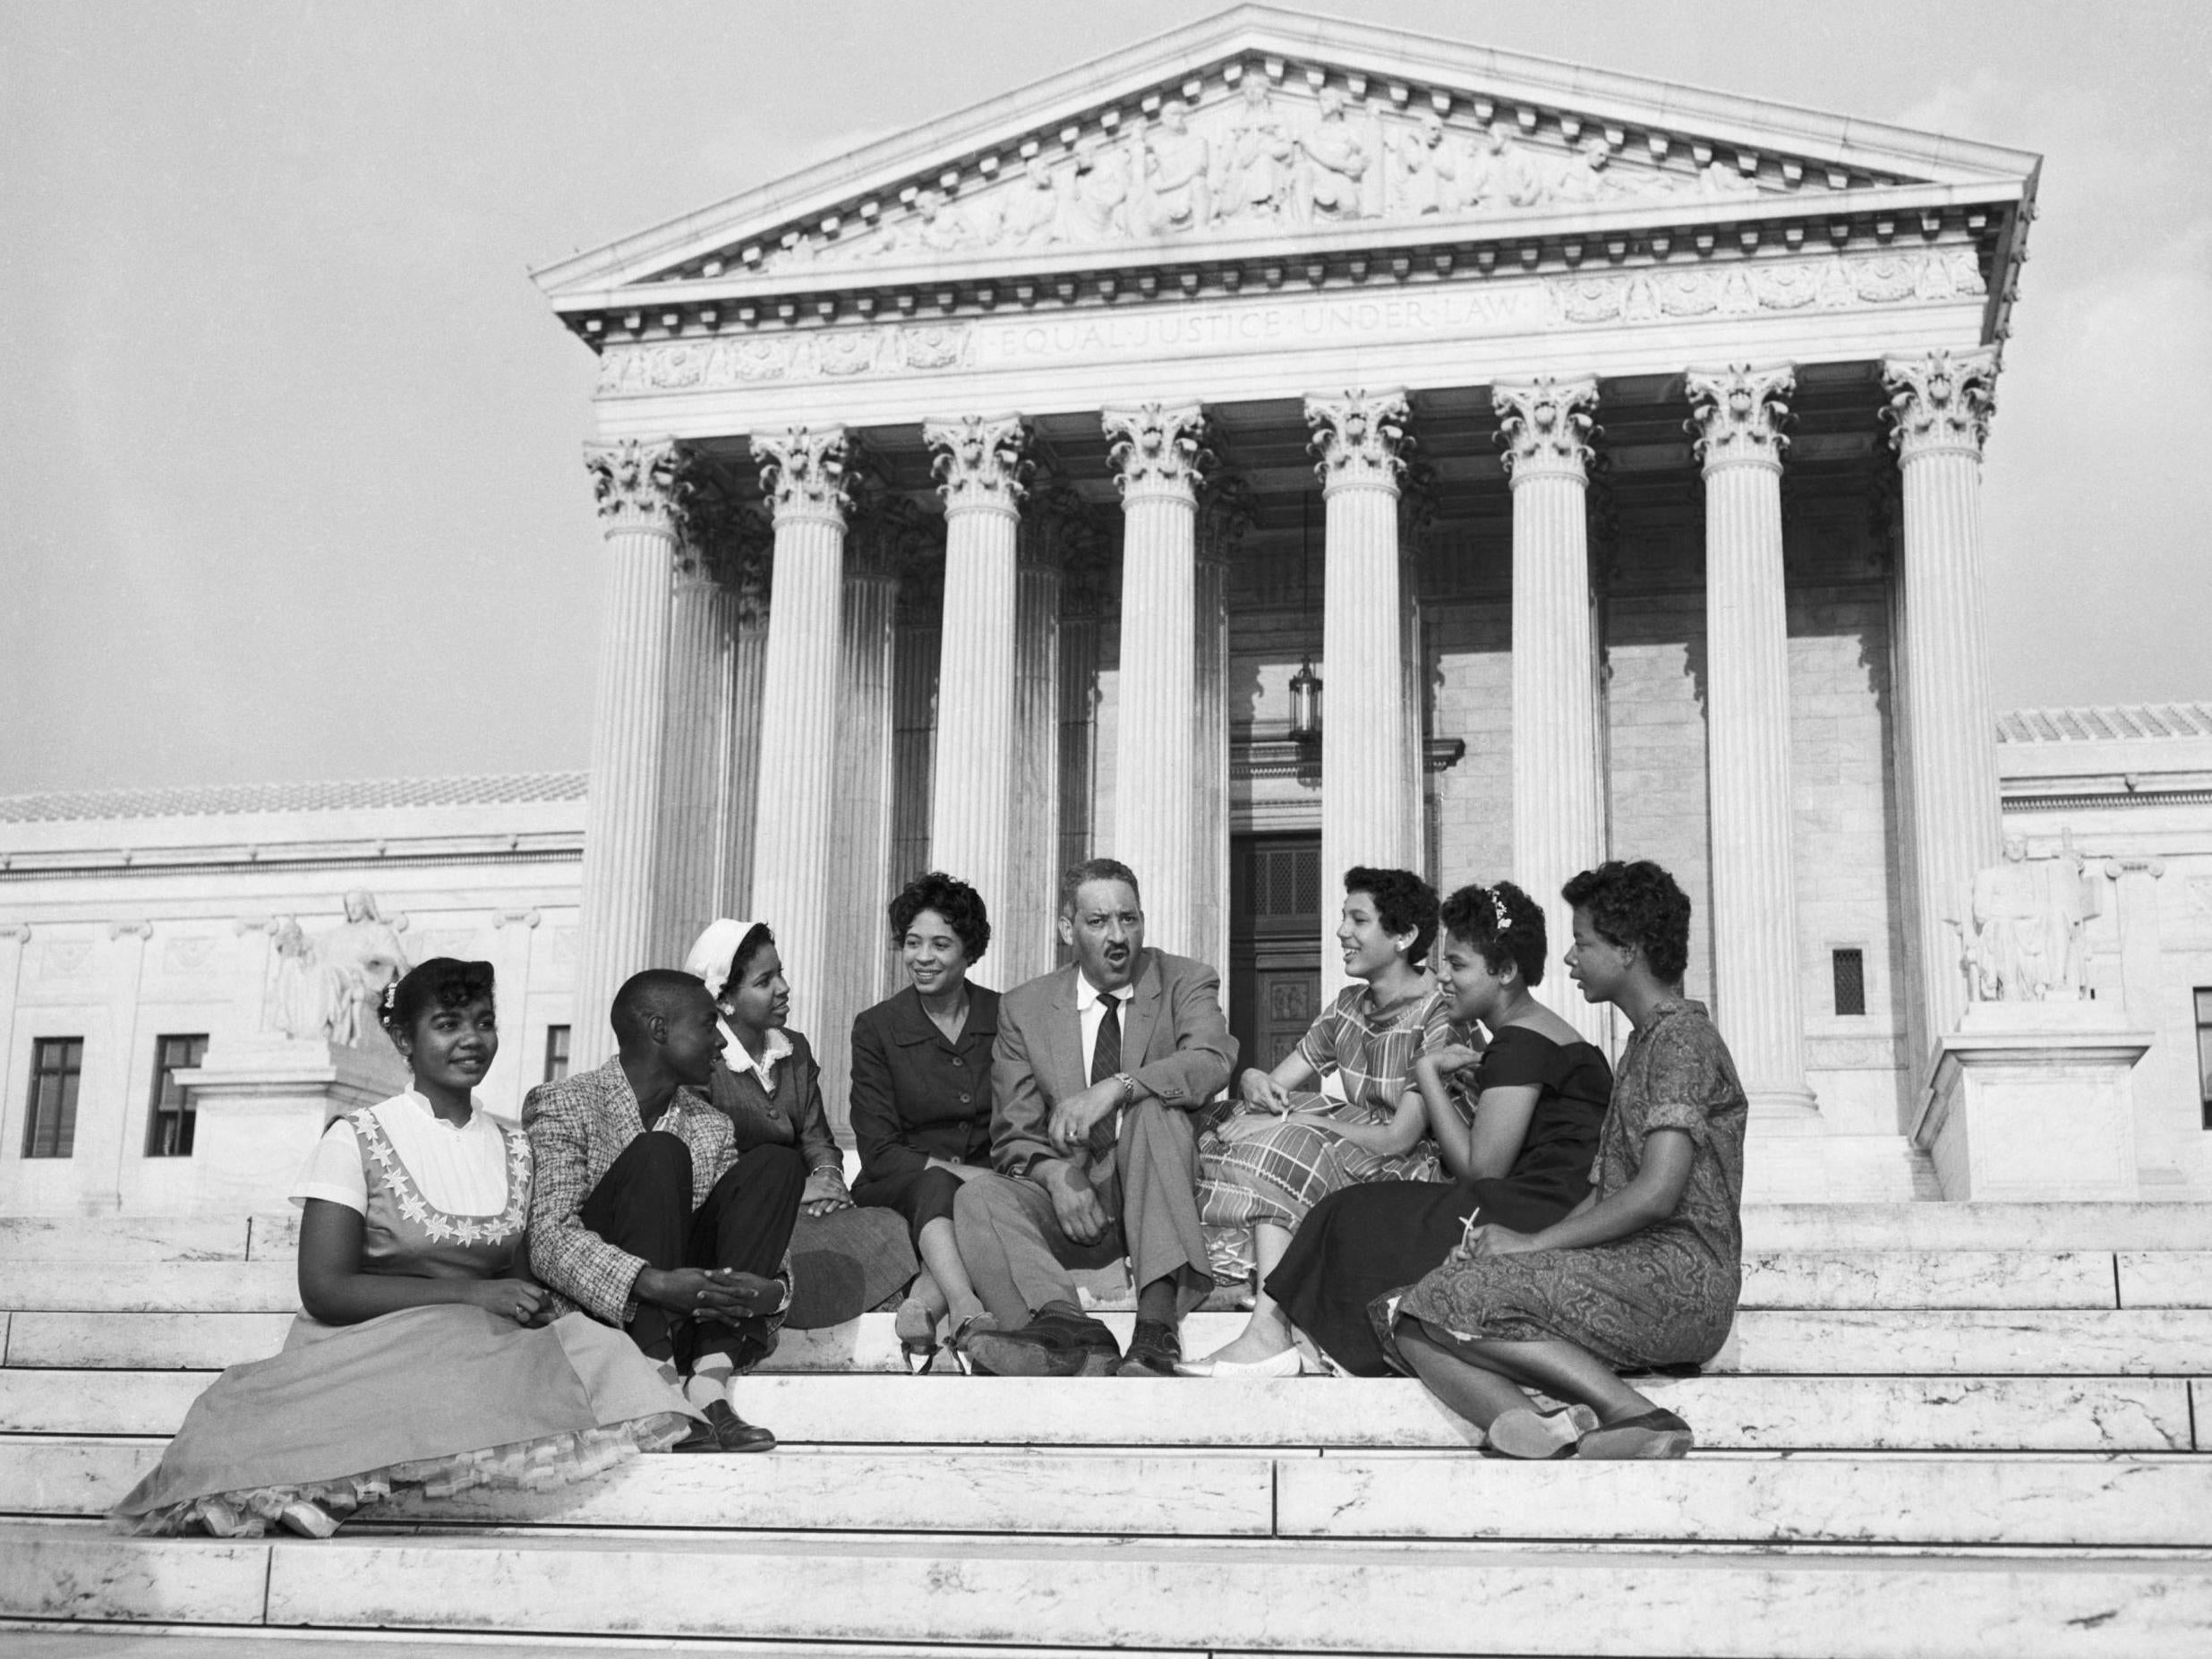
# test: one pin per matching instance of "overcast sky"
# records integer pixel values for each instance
(289, 479)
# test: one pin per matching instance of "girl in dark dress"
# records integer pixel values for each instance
(1523, 1161)
(1645, 1270)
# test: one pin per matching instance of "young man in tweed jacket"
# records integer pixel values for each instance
(644, 1215)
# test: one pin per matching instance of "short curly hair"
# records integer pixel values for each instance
(959, 904)
(1637, 905)
(1501, 922)
(441, 982)
(1403, 904)
(1073, 879)
(756, 939)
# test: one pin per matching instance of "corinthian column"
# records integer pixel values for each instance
(694, 753)
(1368, 813)
(1223, 518)
(1941, 406)
(979, 470)
(1558, 828)
(804, 473)
(1157, 455)
(1755, 972)
(640, 487)
(1023, 936)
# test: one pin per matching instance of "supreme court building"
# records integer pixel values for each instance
(1608, 450)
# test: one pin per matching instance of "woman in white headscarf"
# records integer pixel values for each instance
(843, 1261)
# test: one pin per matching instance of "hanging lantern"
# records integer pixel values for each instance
(1305, 702)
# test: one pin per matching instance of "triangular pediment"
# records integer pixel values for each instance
(1260, 127)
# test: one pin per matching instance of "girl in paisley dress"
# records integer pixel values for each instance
(1644, 1272)
(424, 1358)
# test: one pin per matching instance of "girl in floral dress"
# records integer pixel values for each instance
(424, 1358)
(1287, 1147)
(1644, 1272)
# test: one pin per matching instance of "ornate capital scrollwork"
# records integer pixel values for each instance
(1361, 439)
(1545, 427)
(1941, 402)
(1157, 448)
(1737, 414)
(640, 483)
(979, 462)
(806, 472)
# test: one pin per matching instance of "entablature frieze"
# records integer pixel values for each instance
(1809, 308)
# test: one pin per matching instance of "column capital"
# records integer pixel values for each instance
(725, 540)
(1738, 413)
(979, 462)
(1941, 402)
(807, 472)
(641, 484)
(1361, 439)
(1545, 427)
(1158, 449)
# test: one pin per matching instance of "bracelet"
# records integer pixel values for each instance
(1129, 1086)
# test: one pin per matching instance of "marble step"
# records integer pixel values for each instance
(2072, 1502)
(1755, 1413)
(1972, 1342)
(1928, 1225)
(1212, 1595)
(1849, 1278)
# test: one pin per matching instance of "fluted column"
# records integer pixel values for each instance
(695, 754)
(1367, 811)
(1758, 998)
(1223, 518)
(1545, 427)
(1940, 404)
(1022, 935)
(1158, 454)
(978, 463)
(639, 485)
(805, 476)
(877, 548)
(748, 668)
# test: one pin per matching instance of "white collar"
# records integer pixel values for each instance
(1088, 995)
(420, 1102)
(740, 1058)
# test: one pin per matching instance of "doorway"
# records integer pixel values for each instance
(1275, 944)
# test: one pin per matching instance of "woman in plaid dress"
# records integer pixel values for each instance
(1286, 1146)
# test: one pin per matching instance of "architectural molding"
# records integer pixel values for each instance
(1360, 438)
(1941, 403)
(1545, 427)
(640, 483)
(807, 472)
(1157, 448)
(980, 462)
(1737, 414)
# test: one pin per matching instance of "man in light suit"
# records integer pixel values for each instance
(1097, 1073)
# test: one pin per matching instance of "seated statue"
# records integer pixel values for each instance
(1097, 1074)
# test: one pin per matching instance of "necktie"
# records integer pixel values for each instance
(1106, 1060)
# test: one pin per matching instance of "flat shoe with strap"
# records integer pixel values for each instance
(1289, 1363)
(1650, 1435)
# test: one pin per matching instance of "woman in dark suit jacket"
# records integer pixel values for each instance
(921, 1096)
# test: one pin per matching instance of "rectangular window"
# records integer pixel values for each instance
(1849, 968)
(2204, 1051)
(168, 1125)
(556, 1053)
(50, 1128)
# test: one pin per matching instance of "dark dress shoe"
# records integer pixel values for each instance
(1153, 1351)
(1052, 1344)
(725, 1431)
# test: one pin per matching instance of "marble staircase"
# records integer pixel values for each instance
(1937, 1429)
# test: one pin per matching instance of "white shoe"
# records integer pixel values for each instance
(1288, 1363)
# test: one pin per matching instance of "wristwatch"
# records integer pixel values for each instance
(1129, 1086)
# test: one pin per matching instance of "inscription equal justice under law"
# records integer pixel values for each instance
(1500, 308)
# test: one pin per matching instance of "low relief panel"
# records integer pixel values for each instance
(1499, 306)
(1267, 157)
